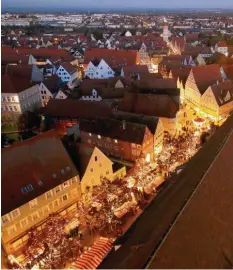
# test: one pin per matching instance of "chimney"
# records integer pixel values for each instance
(124, 124)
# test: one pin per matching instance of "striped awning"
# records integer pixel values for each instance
(94, 256)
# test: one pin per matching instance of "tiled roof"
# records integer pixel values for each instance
(150, 121)
(114, 58)
(71, 108)
(89, 84)
(141, 69)
(222, 43)
(149, 104)
(112, 128)
(15, 84)
(30, 161)
(223, 92)
(205, 76)
(69, 68)
(151, 82)
(42, 52)
(52, 83)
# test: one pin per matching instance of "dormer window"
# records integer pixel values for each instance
(30, 187)
(24, 190)
(67, 168)
(40, 183)
(62, 171)
(54, 175)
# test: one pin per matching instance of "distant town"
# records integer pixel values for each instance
(117, 140)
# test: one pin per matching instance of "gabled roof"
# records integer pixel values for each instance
(15, 84)
(71, 108)
(149, 104)
(114, 58)
(141, 69)
(223, 92)
(69, 68)
(205, 76)
(151, 82)
(222, 44)
(150, 121)
(52, 83)
(112, 128)
(30, 161)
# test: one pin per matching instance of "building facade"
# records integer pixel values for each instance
(42, 188)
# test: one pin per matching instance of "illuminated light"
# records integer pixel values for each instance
(131, 182)
(148, 158)
(99, 137)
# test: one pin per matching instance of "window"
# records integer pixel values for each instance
(115, 141)
(15, 213)
(74, 180)
(54, 175)
(57, 189)
(49, 194)
(33, 203)
(66, 184)
(10, 107)
(24, 190)
(3, 99)
(96, 158)
(12, 230)
(5, 219)
(107, 172)
(56, 203)
(35, 216)
(8, 99)
(15, 108)
(13, 98)
(90, 134)
(46, 210)
(99, 137)
(62, 171)
(30, 187)
(91, 170)
(23, 223)
(40, 183)
(65, 197)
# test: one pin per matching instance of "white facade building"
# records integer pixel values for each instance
(46, 94)
(68, 73)
(26, 100)
(100, 71)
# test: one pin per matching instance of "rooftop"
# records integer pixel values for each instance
(41, 158)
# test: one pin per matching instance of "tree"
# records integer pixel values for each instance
(54, 244)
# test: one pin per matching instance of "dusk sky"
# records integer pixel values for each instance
(116, 4)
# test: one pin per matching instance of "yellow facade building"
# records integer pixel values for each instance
(38, 178)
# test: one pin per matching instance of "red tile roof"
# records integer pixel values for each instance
(42, 52)
(15, 84)
(223, 92)
(114, 58)
(28, 162)
(222, 43)
(205, 76)
(141, 69)
(149, 104)
(71, 108)
(112, 128)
